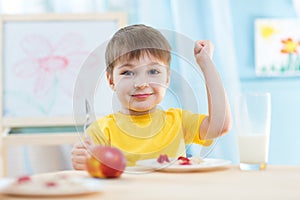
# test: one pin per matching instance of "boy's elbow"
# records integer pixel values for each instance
(218, 132)
(226, 127)
(216, 129)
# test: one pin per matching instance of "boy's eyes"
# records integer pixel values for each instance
(131, 73)
(127, 73)
(153, 71)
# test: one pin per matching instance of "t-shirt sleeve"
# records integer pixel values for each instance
(191, 123)
(98, 134)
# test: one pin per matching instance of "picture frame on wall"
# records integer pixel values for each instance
(277, 47)
(41, 56)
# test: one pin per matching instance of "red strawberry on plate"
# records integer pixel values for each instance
(183, 160)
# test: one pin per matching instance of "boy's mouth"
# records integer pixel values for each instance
(141, 96)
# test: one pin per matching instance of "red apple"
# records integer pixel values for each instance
(106, 162)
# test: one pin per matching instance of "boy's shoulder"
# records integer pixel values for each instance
(105, 118)
(102, 120)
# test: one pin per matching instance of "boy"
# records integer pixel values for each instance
(138, 70)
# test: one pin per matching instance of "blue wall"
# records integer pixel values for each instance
(285, 91)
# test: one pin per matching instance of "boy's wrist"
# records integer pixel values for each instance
(204, 64)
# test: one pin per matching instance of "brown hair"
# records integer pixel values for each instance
(133, 41)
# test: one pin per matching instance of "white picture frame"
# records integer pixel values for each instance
(277, 47)
(36, 51)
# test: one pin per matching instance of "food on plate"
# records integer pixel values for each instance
(189, 161)
(196, 160)
(55, 184)
(23, 179)
(106, 162)
(181, 160)
(163, 158)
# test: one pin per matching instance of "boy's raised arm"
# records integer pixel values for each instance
(219, 120)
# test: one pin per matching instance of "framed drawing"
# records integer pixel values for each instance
(277, 47)
(41, 56)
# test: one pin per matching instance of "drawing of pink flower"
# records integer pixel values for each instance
(47, 63)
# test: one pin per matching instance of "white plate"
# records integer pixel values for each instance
(172, 166)
(74, 186)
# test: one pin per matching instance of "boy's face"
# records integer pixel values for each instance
(140, 84)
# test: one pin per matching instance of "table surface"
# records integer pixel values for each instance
(276, 182)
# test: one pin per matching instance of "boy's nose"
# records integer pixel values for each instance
(141, 85)
(141, 82)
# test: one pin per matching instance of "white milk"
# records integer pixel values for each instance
(253, 148)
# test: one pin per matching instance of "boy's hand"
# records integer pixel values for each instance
(203, 50)
(80, 154)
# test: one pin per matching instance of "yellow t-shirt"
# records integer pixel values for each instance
(148, 136)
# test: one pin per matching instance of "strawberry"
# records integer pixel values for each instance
(23, 179)
(163, 158)
(184, 160)
(51, 184)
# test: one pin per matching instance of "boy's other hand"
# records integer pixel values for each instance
(80, 153)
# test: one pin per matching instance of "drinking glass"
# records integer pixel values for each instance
(253, 122)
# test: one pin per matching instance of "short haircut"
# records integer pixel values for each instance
(134, 41)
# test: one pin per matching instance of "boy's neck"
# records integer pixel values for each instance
(137, 113)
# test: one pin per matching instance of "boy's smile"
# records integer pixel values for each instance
(141, 96)
(140, 84)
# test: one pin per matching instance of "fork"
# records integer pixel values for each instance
(87, 117)
(88, 120)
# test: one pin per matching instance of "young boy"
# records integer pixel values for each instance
(138, 71)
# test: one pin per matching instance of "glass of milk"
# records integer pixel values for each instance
(253, 122)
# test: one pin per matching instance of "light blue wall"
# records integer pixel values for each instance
(285, 129)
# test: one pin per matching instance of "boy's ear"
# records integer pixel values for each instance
(110, 80)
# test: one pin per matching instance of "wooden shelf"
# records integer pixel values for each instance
(41, 139)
